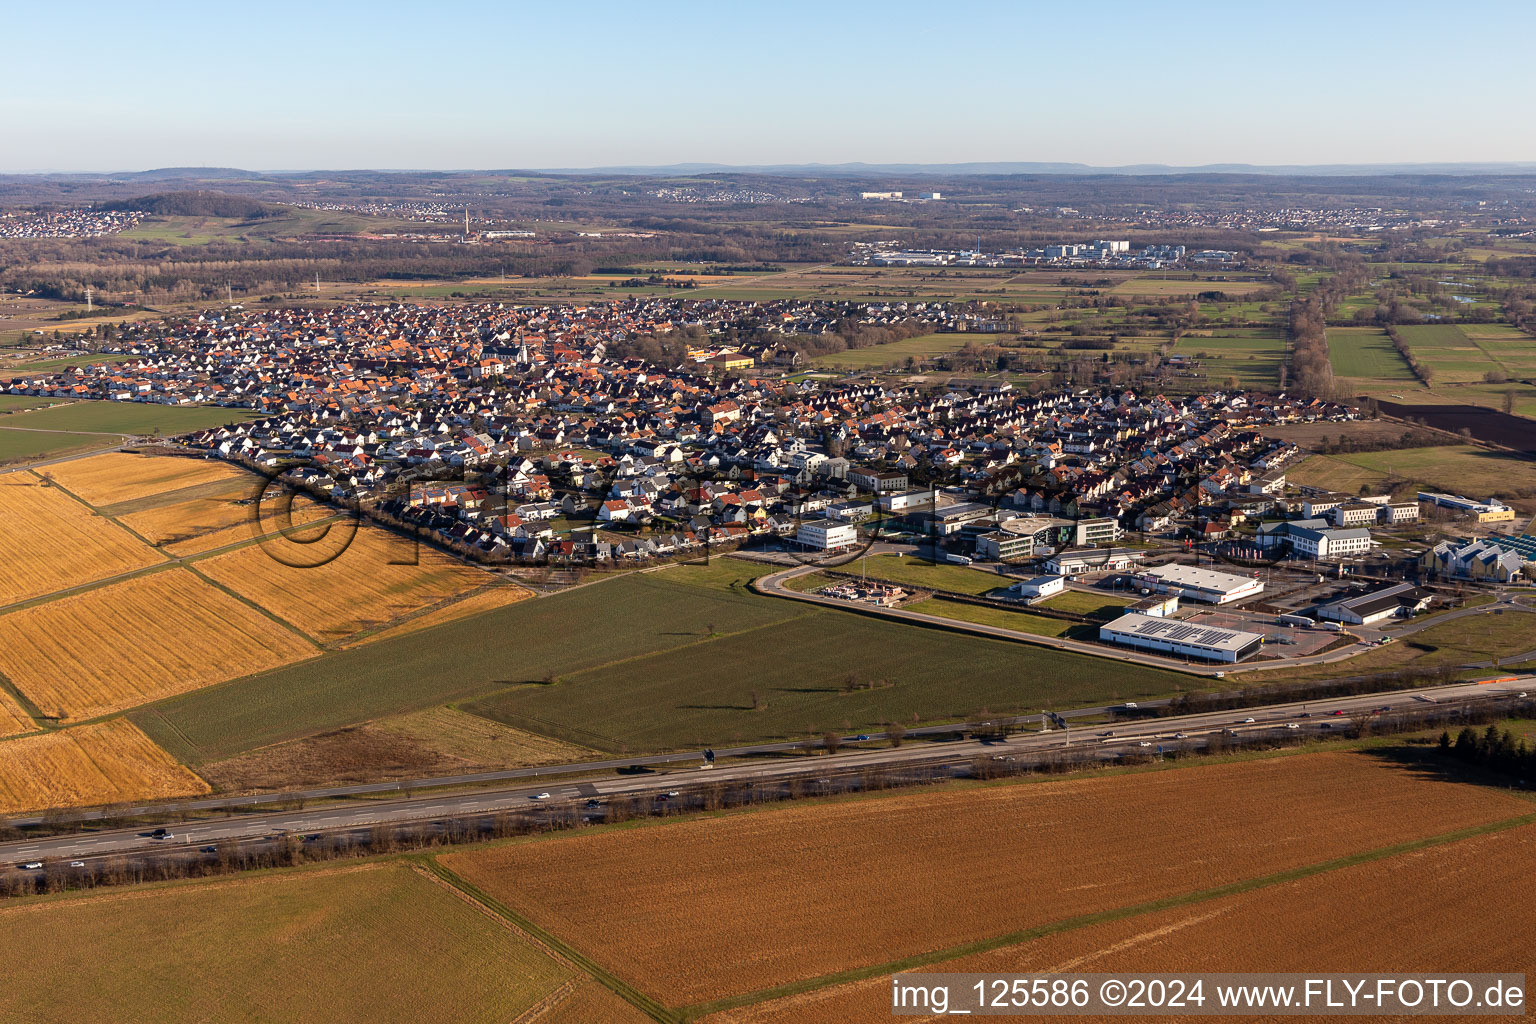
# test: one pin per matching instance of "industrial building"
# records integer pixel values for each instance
(1385, 603)
(1199, 584)
(1172, 636)
(1039, 588)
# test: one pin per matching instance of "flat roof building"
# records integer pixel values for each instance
(1173, 636)
(1199, 584)
(1070, 563)
(1382, 603)
(826, 535)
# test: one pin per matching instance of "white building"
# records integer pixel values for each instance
(826, 535)
(1070, 563)
(1173, 636)
(1039, 588)
(1400, 599)
(1199, 584)
(903, 501)
(1330, 543)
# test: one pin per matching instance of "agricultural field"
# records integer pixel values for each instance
(657, 659)
(129, 643)
(923, 346)
(101, 763)
(1251, 356)
(125, 418)
(527, 642)
(847, 671)
(1365, 354)
(440, 741)
(497, 595)
(658, 907)
(1460, 469)
(118, 477)
(377, 578)
(24, 446)
(1425, 910)
(371, 943)
(13, 718)
(1157, 285)
(1451, 355)
(82, 547)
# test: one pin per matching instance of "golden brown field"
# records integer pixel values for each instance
(177, 526)
(202, 524)
(51, 542)
(375, 943)
(122, 476)
(590, 1003)
(102, 763)
(358, 590)
(12, 719)
(495, 597)
(1424, 911)
(678, 910)
(145, 638)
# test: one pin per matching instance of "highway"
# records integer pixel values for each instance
(1134, 735)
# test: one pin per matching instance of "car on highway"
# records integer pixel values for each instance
(210, 849)
(1305, 714)
(161, 834)
(594, 803)
(539, 796)
(1181, 735)
(77, 863)
(1248, 721)
(1520, 694)
(31, 865)
(672, 793)
(1325, 725)
(861, 737)
(1337, 711)
(1144, 743)
(1292, 725)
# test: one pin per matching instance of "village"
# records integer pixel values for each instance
(538, 435)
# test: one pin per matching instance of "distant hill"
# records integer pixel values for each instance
(198, 204)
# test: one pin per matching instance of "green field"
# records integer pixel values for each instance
(1450, 354)
(1003, 618)
(21, 403)
(1366, 353)
(125, 418)
(1104, 606)
(379, 942)
(921, 347)
(1460, 469)
(32, 445)
(800, 670)
(54, 363)
(922, 573)
(1252, 356)
(654, 660)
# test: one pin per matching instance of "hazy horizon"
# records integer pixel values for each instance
(474, 85)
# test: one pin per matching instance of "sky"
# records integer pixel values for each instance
(337, 84)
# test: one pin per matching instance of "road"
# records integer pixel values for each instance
(1132, 735)
(774, 583)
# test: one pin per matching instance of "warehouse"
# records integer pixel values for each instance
(1198, 584)
(1385, 603)
(1172, 636)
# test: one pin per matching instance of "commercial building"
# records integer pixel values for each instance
(905, 501)
(1039, 588)
(1096, 531)
(1172, 636)
(1158, 605)
(1491, 511)
(826, 535)
(880, 481)
(999, 546)
(1070, 563)
(1400, 599)
(1199, 584)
